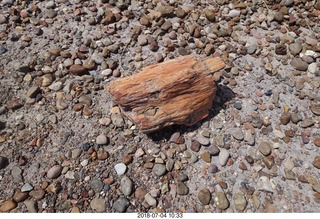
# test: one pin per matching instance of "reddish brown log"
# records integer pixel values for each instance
(178, 91)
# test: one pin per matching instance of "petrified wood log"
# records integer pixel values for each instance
(178, 91)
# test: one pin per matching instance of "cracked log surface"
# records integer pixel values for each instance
(179, 91)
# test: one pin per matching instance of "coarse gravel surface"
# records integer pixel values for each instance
(65, 147)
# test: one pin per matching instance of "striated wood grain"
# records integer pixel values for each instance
(178, 91)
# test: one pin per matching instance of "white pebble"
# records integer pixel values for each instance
(84, 163)
(120, 168)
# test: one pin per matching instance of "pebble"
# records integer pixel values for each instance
(31, 206)
(159, 169)
(140, 193)
(249, 138)
(234, 13)
(210, 14)
(278, 133)
(223, 156)
(316, 162)
(150, 200)
(307, 123)
(20, 196)
(237, 105)
(3, 50)
(166, 10)
(295, 48)
(288, 164)
(33, 91)
(295, 118)
(195, 146)
(37, 194)
(101, 139)
(182, 189)
(4, 162)
(264, 184)
(78, 70)
(126, 186)
(281, 49)
(117, 120)
(242, 166)
(96, 185)
(285, 118)
(287, 2)
(213, 150)
(206, 157)
(56, 86)
(8, 206)
(85, 146)
(317, 142)
(16, 173)
(120, 168)
(54, 172)
(265, 148)
(204, 196)
(26, 188)
(98, 204)
(299, 64)
(240, 201)
(221, 200)
(290, 175)
(50, 5)
(76, 153)
(237, 134)
(315, 109)
(316, 187)
(105, 121)
(203, 140)
(121, 204)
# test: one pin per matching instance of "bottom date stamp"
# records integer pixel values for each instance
(159, 215)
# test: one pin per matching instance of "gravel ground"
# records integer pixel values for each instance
(64, 147)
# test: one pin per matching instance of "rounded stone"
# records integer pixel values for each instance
(295, 48)
(98, 204)
(101, 139)
(221, 200)
(126, 186)
(121, 204)
(315, 109)
(240, 201)
(316, 162)
(265, 148)
(206, 157)
(299, 64)
(140, 193)
(285, 118)
(37, 194)
(8, 206)
(204, 196)
(223, 156)
(20, 196)
(159, 169)
(120, 168)
(54, 172)
(182, 189)
(150, 200)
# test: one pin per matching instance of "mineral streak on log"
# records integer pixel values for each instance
(178, 91)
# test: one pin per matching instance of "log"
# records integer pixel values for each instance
(179, 91)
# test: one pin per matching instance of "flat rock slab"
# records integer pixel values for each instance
(179, 91)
